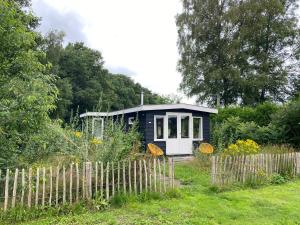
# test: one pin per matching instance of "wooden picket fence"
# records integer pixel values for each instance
(252, 168)
(69, 184)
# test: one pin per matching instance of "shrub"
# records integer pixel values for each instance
(278, 179)
(242, 147)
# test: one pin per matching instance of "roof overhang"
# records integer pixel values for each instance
(151, 108)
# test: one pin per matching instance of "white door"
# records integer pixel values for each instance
(179, 134)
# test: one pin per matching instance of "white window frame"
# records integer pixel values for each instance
(102, 126)
(201, 128)
(164, 127)
(131, 120)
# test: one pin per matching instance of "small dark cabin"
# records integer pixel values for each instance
(176, 128)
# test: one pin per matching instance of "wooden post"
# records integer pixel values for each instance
(64, 185)
(96, 179)
(154, 174)
(145, 170)
(159, 172)
(29, 187)
(101, 179)
(150, 174)
(77, 182)
(44, 187)
(56, 185)
(173, 173)
(124, 178)
(113, 178)
(165, 186)
(13, 202)
(71, 183)
(141, 176)
(213, 167)
(129, 176)
(90, 179)
(6, 190)
(50, 191)
(118, 176)
(134, 174)
(83, 180)
(107, 181)
(170, 172)
(23, 187)
(37, 187)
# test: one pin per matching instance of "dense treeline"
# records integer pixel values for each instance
(83, 81)
(239, 51)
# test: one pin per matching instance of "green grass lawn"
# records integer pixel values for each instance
(199, 205)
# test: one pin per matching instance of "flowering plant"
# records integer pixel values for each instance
(242, 147)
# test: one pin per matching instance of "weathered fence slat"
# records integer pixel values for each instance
(37, 187)
(65, 184)
(249, 168)
(6, 190)
(13, 202)
(29, 188)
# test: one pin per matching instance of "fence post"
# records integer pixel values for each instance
(50, 191)
(159, 172)
(44, 187)
(77, 182)
(13, 202)
(6, 190)
(23, 187)
(154, 173)
(150, 174)
(141, 177)
(113, 178)
(124, 178)
(118, 182)
(96, 178)
(71, 183)
(134, 172)
(37, 187)
(56, 186)
(101, 179)
(29, 187)
(83, 180)
(164, 168)
(64, 185)
(129, 176)
(145, 169)
(213, 167)
(107, 181)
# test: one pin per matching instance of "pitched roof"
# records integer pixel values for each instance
(152, 107)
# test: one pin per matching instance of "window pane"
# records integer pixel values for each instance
(159, 128)
(98, 128)
(185, 126)
(172, 127)
(196, 127)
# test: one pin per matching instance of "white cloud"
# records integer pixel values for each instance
(133, 35)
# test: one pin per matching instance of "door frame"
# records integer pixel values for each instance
(176, 144)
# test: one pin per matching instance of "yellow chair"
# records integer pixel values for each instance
(206, 148)
(155, 150)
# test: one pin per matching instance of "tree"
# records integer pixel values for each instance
(27, 90)
(236, 50)
(83, 81)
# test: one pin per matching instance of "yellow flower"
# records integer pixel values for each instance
(242, 147)
(96, 141)
(78, 134)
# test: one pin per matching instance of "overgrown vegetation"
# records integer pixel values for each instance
(265, 124)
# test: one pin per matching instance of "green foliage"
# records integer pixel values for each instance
(83, 80)
(278, 179)
(260, 114)
(237, 50)
(27, 89)
(287, 120)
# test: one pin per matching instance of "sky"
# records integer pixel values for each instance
(137, 38)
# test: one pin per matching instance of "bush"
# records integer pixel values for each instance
(260, 115)
(242, 147)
